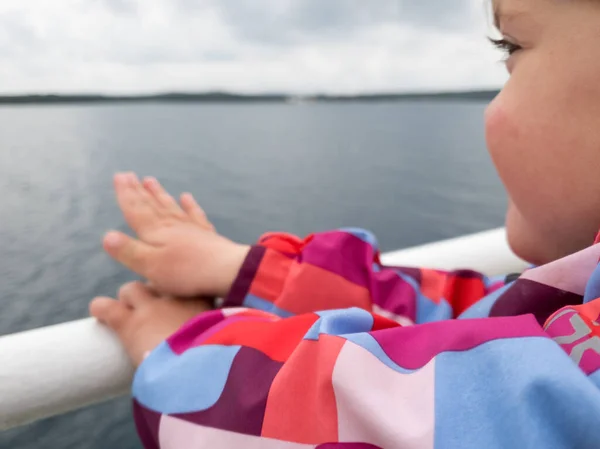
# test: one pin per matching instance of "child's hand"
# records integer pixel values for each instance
(178, 249)
(142, 319)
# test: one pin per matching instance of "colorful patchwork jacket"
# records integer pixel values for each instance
(320, 346)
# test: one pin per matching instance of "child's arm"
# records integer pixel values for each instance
(286, 276)
(179, 252)
(246, 378)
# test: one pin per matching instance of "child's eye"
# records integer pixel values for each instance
(508, 47)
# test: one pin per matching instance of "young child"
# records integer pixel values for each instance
(319, 345)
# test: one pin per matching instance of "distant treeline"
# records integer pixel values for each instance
(218, 97)
(482, 95)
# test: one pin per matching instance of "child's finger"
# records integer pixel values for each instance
(161, 196)
(132, 253)
(110, 312)
(190, 206)
(133, 200)
(136, 294)
(193, 209)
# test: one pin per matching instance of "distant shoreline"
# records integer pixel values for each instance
(220, 97)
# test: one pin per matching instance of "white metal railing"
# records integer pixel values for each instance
(487, 252)
(53, 370)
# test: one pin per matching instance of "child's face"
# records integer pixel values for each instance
(543, 130)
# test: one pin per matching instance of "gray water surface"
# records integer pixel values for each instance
(410, 172)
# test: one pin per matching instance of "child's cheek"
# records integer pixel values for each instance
(494, 122)
(502, 136)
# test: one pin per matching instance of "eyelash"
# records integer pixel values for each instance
(509, 48)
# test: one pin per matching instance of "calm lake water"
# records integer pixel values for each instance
(411, 172)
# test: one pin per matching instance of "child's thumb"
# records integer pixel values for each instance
(132, 253)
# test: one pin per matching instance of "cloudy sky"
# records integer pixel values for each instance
(303, 46)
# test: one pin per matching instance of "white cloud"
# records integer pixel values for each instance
(248, 46)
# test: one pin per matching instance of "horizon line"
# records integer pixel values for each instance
(244, 94)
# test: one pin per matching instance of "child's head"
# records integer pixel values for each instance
(543, 130)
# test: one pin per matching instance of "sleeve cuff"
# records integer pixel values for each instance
(244, 279)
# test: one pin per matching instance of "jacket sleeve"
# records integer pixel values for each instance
(300, 360)
(286, 276)
(246, 378)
